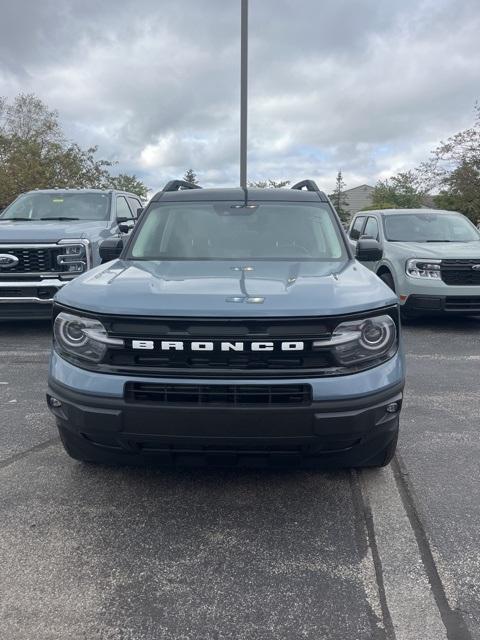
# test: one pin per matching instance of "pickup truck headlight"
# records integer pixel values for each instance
(364, 341)
(418, 268)
(74, 258)
(81, 338)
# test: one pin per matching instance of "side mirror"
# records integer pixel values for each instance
(111, 249)
(369, 250)
(140, 211)
(125, 224)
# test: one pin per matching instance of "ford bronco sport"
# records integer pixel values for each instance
(233, 327)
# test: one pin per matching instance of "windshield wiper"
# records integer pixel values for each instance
(15, 218)
(60, 218)
(439, 241)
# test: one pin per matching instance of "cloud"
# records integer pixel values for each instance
(365, 87)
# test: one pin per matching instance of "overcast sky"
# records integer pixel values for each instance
(365, 86)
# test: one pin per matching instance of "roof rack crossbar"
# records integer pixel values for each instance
(176, 185)
(310, 185)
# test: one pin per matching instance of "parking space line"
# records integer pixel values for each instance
(17, 353)
(411, 603)
(452, 619)
(23, 454)
(385, 629)
(438, 356)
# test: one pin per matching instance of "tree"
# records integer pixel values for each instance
(402, 191)
(340, 199)
(454, 169)
(269, 184)
(34, 153)
(190, 176)
(461, 191)
(130, 183)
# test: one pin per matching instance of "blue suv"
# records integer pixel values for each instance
(233, 327)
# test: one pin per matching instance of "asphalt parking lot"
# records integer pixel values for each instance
(131, 554)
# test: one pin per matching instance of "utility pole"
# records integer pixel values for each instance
(243, 94)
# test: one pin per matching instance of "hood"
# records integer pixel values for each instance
(48, 230)
(226, 289)
(438, 250)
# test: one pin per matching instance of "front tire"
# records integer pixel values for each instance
(387, 278)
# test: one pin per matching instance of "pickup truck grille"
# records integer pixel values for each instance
(32, 260)
(461, 272)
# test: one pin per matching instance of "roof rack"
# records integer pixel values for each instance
(310, 185)
(177, 185)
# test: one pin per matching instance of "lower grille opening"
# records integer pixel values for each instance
(43, 293)
(219, 395)
(461, 303)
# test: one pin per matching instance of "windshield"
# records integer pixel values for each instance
(61, 206)
(233, 231)
(429, 227)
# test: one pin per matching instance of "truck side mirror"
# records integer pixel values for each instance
(140, 211)
(369, 250)
(111, 249)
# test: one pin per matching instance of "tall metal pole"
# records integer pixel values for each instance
(244, 94)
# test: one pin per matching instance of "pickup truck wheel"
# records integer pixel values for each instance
(385, 456)
(387, 277)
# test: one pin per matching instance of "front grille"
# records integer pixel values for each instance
(279, 361)
(32, 260)
(217, 362)
(460, 272)
(43, 293)
(461, 303)
(219, 395)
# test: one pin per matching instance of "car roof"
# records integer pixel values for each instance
(403, 211)
(238, 194)
(75, 190)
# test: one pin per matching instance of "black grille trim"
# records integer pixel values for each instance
(460, 272)
(33, 260)
(42, 293)
(460, 303)
(231, 395)
(271, 365)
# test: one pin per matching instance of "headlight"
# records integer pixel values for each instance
(418, 268)
(363, 341)
(82, 338)
(74, 257)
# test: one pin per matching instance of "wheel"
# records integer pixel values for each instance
(385, 456)
(387, 277)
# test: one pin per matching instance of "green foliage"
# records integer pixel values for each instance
(269, 184)
(130, 183)
(462, 190)
(454, 168)
(402, 191)
(190, 176)
(340, 199)
(34, 153)
(380, 205)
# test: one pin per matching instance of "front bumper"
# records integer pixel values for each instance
(25, 299)
(419, 297)
(346, 427)
(446, 304)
